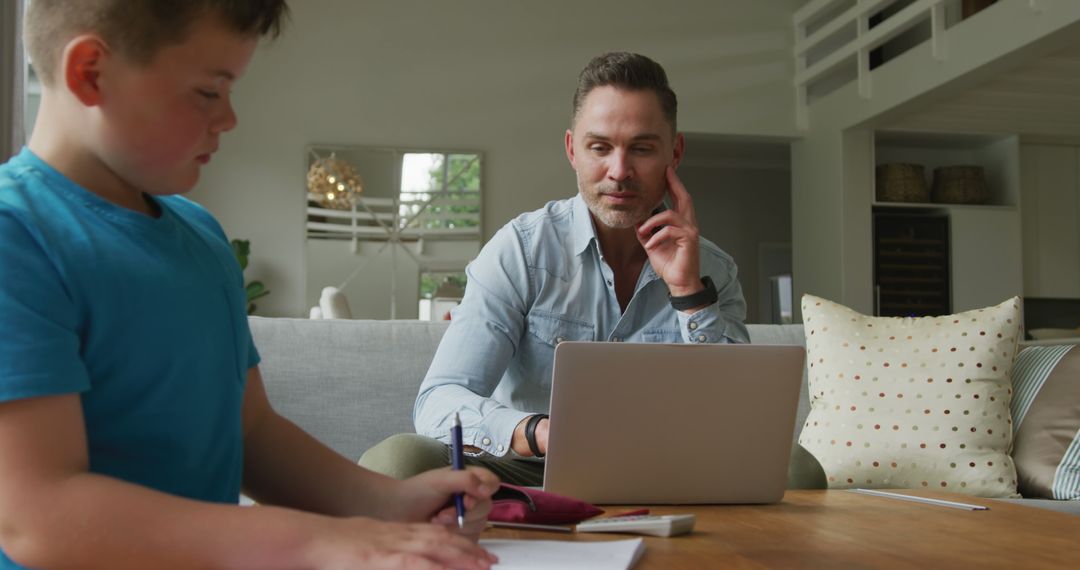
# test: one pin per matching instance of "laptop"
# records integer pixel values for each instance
(672, 423)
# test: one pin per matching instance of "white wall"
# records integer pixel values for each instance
(489, 75)
(1050, 199)
(739, 209)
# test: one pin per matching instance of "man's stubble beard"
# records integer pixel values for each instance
(610, 217)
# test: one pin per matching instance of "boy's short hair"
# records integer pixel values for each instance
(136, 29)
(630, 71)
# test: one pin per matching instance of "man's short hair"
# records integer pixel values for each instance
(136, 29)
(630, 71)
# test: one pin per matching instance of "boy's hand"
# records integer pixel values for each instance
(429, 497)
(360, 542)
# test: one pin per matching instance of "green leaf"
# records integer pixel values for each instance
(255, 289)
(241, 249)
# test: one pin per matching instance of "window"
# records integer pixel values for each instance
(392, 223)
(440, 191)
(398, 195)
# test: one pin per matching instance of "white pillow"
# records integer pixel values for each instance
(919, 403)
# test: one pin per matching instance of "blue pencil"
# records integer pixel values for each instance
(457, 455)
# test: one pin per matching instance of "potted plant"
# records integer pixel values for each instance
(255, 289)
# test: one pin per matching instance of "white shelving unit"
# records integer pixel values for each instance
(997, 155)
(985, 240)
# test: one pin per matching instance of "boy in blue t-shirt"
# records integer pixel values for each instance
(132, 413)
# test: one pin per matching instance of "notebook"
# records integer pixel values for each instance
(672, 423)
(564, 554)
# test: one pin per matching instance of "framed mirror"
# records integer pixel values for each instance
(391, 228)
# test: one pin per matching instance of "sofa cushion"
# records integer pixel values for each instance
(1070, 507)
(785, 334)
(912, 402)
(349, 383)
(1046, 422)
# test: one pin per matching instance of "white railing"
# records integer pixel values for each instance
(392, 219)
(813, 36)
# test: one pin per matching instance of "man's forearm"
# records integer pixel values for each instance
(488, 424)
(92, 521)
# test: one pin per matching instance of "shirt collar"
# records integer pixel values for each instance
(582, 229)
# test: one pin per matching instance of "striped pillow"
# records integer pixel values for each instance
(1046, 422)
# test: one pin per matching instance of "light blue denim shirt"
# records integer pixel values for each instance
(540, 280)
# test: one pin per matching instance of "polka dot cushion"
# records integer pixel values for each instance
(914, 403)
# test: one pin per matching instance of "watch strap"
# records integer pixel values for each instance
(530, 433)
(706, 296)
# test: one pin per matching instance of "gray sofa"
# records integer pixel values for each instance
(352, 383)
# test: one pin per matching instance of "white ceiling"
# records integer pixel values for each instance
(1039, 100)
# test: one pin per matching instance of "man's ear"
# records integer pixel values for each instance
(82, 62)
(569, 141)
(677, 150)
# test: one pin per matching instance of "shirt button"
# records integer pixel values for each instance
(701, 338)
(609, 283)
(693, 326)
(500, 447)
(486, 441)
(616, 339)
(559, 339)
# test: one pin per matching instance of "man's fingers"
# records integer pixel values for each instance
(681, 201)
(666, 218)
(666, 234)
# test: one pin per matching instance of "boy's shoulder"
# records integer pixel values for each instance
(193, 213)
(20, 189)
(34, 197)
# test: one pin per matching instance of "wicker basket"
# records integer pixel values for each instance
(901, 182)
(960, 185)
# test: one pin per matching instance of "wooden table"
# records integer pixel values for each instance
(841, 529)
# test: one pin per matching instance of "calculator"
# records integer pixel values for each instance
(654, 525)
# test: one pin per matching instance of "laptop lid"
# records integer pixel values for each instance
(672, 423)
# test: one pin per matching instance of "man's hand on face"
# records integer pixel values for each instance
(670, 239)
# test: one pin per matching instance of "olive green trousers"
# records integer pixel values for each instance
(406, 454)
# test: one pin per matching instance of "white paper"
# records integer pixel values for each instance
(564, 554)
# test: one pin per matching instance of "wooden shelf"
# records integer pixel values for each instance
(911, 241)
(940, 206)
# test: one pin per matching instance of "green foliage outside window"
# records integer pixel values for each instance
(453, 178)
(430, 282)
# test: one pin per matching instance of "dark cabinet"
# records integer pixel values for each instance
(911, 264)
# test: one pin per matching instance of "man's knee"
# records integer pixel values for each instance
(405, 454)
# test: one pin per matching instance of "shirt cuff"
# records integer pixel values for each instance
(494, 435)
(704, 326)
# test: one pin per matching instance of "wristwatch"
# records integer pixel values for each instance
(530, 433)
(706, 296)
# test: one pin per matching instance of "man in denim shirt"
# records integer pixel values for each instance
(610, 264)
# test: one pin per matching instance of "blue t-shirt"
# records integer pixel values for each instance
(144, 318)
